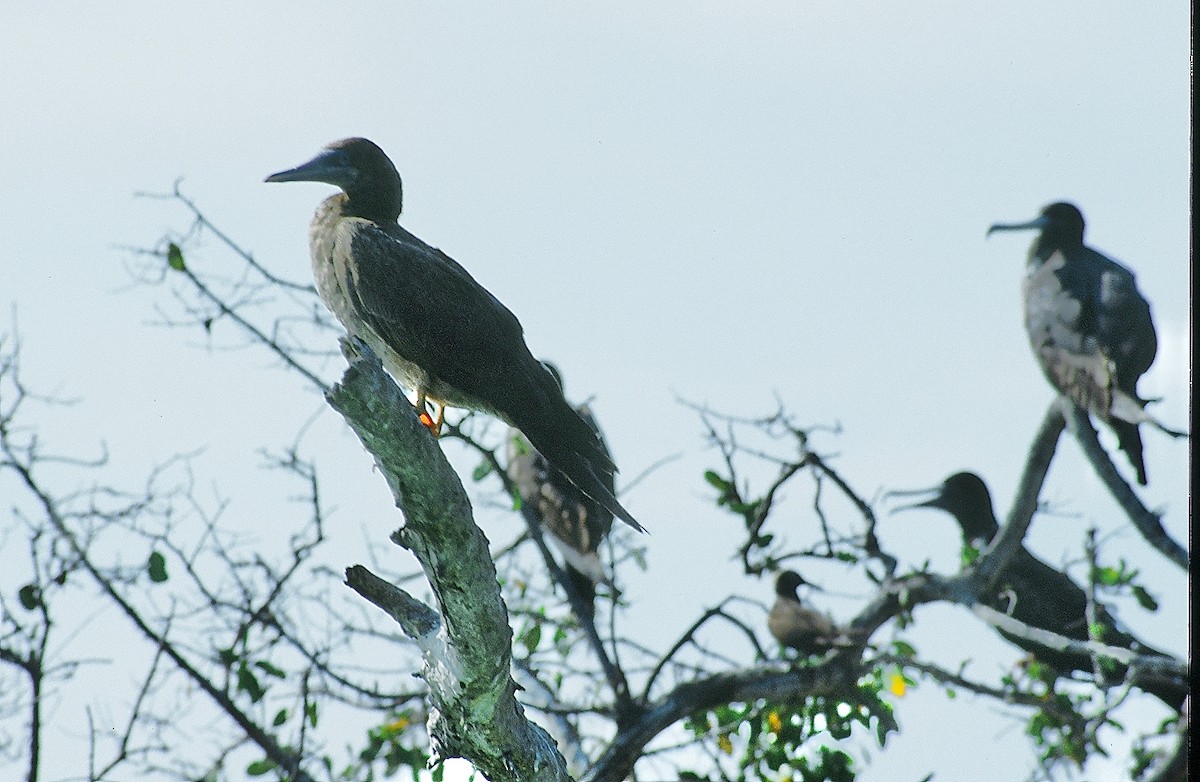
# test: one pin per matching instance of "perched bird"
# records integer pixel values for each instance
(438, 331)
(1089, 326)
(1034, 593)
(796, 625)
(573, 521)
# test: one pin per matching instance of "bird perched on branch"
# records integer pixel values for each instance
(571, 519)
(1034, 593)
(796, 625)
(437, 330)
(1089, 326)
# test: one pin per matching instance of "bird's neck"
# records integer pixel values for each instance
(980, 538)
(324, 220)
(377, 205)
(1045, 246)
(789, 594)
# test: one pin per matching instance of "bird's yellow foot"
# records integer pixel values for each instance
(434, 425)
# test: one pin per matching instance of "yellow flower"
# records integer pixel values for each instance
(774, 722)
(896, 685)
(725, 744)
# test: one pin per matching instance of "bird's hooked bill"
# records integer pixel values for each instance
(331, 166)
(1036, 223)
(932, 498)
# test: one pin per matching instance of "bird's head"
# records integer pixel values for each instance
(1061, 225)
(364, 173)
(964, 496)
(788, 581)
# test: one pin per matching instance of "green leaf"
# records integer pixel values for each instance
(280, 718)
(481, 471)
(269, 669)
(247, 682)
(532, 637)
(1144, 598)
(260, 767)
(175, 257)
(1108, 576)
(716, 481)
(157, 567)
(28, 595)
(311, 712)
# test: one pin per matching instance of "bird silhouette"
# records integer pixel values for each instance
(1035, 593)
(796, 625)
(437, 330)
(1089, 326)
(573, 521)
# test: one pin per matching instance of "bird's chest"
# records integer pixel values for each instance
(330, 243)
(1054, 315)
(325, 233)
(1059, 321)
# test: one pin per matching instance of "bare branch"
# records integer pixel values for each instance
(1147, 522)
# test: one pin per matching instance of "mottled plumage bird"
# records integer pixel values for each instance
(795, 625)
(1089, 326)
(571, 519)
(438, 331)
(1034, 593)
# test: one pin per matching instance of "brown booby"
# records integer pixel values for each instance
(437, 330)
(573, 521)
(1035, 593)
(796, 625)
(1089, 326)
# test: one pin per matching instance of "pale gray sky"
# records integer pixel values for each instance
(721, 201)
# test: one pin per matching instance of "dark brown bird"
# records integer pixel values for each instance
(436, 329)
(1089, 326)
(573, 521)
(1034, 593)
(796, 625)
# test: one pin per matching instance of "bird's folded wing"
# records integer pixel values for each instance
(433, 313)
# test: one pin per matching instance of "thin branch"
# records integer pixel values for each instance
(280, 755)
(1147, 522)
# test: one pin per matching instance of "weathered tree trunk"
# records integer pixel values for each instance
(466, 642)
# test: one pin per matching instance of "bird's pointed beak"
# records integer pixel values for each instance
(802, 581)
(331, 167)
(932, 498)
(1037, 223)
